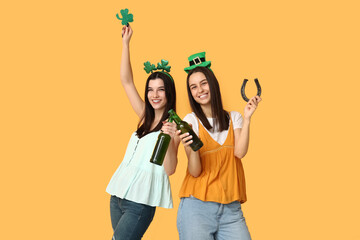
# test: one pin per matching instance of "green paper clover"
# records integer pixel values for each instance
(126, 17)
(149, 67)
(164, 65)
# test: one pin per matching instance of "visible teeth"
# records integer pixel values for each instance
(156, 101)
(203, 96)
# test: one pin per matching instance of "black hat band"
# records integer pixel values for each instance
(196, 61)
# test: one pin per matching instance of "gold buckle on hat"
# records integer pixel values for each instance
(198, 59)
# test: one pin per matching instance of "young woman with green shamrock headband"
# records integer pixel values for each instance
(138, 186)
(214, 184)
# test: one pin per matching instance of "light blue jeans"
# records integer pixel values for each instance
(198, 220)
(129, 219)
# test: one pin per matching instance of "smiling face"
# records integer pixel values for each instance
(156, 94)
(199, 88)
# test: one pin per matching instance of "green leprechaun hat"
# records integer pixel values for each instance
(197, 60)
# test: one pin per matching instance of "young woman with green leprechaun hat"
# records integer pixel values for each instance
(214, 184)
(139, 186)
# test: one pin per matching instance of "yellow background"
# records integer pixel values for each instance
(66, 122)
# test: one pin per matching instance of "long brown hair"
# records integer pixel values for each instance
(221, 117)
(147, 119)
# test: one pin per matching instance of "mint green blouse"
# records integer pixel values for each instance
(139, 180)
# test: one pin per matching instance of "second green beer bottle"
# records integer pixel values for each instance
(185, 127)
(160, 148)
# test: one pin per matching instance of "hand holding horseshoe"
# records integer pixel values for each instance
(253, 102)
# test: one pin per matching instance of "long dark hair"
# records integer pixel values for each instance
(221, 117)
(147, 119)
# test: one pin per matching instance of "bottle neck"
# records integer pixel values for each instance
(177, 119)
(174, 116)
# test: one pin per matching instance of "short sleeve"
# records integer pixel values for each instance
(191, 119)
(237, 119)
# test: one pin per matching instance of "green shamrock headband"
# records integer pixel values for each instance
(163, 65)
(126, 16)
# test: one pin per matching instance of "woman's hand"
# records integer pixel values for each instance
(186, 138)
(169, 128)
(170, 161)
(126, 34)
(126, 74)
(194, 162)
(251, 107)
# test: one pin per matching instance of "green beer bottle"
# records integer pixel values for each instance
(160, 148)
(185, 127)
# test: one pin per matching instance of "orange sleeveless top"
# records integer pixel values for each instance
(222, 179)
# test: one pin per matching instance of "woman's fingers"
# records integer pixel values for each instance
(253, 102)
(186, 139)
(170, 125)
(169, 128)
(126, 31)
(258, 98)
(123, 31)
(251, 106)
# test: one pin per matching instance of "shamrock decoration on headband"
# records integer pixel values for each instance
(149, 67)
(126, 16)
(163, 65)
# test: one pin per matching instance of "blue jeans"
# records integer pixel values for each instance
(199, 220)
(129, 220)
